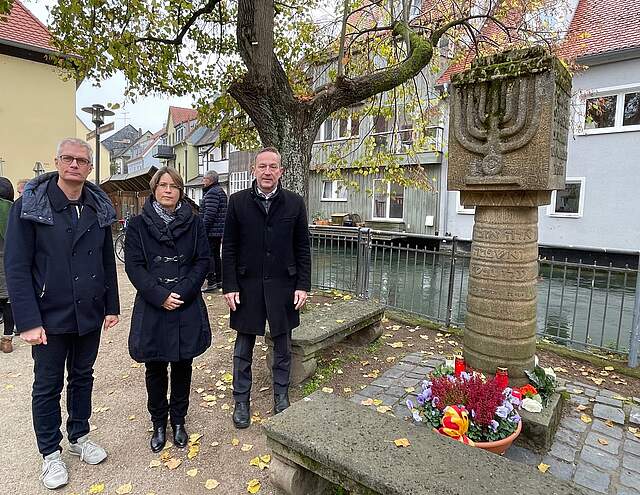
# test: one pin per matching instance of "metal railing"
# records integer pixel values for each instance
(585, 306)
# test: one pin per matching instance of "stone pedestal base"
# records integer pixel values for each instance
(500, 329)
(538, 429)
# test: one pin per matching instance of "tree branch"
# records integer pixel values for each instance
(207, 9)
(345, 92)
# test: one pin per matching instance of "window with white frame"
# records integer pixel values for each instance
(333, 190)
(461, 209)
(332, 129)
(612, 110)
(568, 202)
(179, 134)
(388, 200)
(224, 150)
(202, 161)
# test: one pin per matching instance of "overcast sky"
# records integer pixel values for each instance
(148, 113)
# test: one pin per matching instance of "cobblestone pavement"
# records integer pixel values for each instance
(603, 456)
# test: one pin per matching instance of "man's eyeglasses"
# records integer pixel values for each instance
(271, 166)
(68, 160)
(172, 187)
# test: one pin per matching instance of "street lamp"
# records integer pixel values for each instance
(38, 169)
(98, 113)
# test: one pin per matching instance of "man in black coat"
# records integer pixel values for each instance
(61, 276)
(266, 272)
(213, 211)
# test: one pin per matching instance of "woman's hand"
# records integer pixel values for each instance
(172, 302)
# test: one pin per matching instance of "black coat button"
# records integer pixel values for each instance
(73, 253)
(75, 278)
(78, 301)
(69, 230)
(90, 252)
(93, 275)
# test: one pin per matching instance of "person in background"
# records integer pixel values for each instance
(166, 256)
(266, 276)
(20, 186)
(214, 211)
(61, 275)
(6, 200)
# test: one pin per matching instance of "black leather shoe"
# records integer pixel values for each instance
(241, 415)
(281, 402)
(159, 438)
(180, 436)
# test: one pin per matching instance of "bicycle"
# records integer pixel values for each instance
(118, 243)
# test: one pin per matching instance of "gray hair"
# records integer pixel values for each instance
(77, 142)
(211, 174)
(268, 149)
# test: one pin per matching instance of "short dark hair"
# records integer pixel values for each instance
(268, 149)
(6, 189)
(173, 173)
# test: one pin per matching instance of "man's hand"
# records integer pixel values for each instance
(299, 298)
(110, 321)
(172, 302)
(232, 299)
(34, 336)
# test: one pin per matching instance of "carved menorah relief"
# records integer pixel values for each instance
(506, 130)
(496, 117)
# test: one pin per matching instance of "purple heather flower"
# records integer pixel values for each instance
(451, 378)
(507, 392)
(494, 425)
(515, 418)
(434, 401)
(410, 404)
(421, 399)
(465, 376)
(502, 412)
(473, 413)
(515, 401)
(416, 417)
(426, 384)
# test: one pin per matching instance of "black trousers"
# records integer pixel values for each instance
(7, 315)
(215, 270)
(79, 354)
(243, 355)
(157, 379)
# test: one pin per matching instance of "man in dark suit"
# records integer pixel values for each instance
(61, 276)
(266, 275)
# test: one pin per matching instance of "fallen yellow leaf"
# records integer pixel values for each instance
(195, 437)
(155, 463)
(560, 369)
(235, 442)
(402, 442)
(96, 488)
(632, 429)
(194, 449)
(602, 441)
(192, 472)
(246, 447)
(543, 468)
(266, 458)
(609, 423)
(327, 390)
(585, 419)
(253, 486)
(210, 484)
(366, 402)
(581, 408)
(173, 463)
(124, 489)
(383, 409)
(396, 345)
(227, 377)
(609, 368)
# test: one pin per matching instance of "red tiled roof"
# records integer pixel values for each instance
(597, 26)
(601, 26)
(22, 27)
(180, 115)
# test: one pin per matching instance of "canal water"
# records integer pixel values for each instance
(578, 305)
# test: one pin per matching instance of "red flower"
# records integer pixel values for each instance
(528, 390)
(516, 393)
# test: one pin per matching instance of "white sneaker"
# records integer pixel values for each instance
(54, 471)
(89, 452)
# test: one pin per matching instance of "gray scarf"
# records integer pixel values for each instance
(166, 215)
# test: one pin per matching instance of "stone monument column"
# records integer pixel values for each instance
(507, 152)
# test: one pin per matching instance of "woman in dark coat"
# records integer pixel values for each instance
(6, 200)
(167, 260)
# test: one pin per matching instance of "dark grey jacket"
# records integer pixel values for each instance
(214, 210)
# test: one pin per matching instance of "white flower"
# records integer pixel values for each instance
(550, 373)
(531, 405)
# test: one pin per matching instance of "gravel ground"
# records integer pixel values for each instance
(121, 421)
